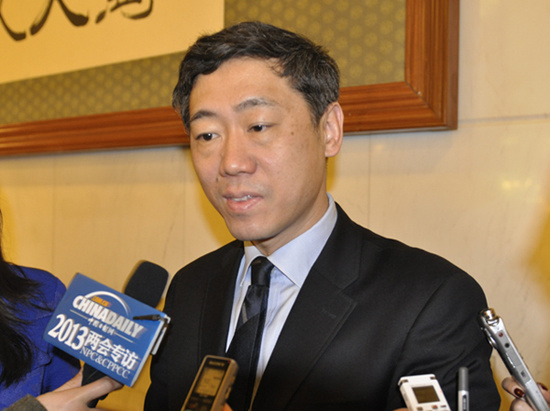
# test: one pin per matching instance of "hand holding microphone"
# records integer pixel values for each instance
(113, 333)
(519, 404)
(498, 337)
(72, 396)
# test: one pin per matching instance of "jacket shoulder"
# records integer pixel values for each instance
(210, 263)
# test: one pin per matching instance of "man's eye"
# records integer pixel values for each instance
(258, 128)
(205, 136)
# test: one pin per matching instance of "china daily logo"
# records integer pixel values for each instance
(97, 310)
(99, 315)
(112, 332)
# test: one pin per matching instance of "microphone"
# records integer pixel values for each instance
(146, 285)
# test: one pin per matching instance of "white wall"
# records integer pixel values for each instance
(480, 196)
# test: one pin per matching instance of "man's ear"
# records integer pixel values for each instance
(332, 125)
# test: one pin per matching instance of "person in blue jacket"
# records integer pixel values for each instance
(28, 364)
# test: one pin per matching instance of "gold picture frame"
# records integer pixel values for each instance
(427, 99)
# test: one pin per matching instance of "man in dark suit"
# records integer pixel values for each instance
(349, 312)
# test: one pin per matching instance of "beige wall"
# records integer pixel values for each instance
(479, 196)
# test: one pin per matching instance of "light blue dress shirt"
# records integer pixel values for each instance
(292, 262)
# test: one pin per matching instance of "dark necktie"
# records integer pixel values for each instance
(245, 346)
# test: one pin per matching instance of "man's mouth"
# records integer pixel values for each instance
(241, 199)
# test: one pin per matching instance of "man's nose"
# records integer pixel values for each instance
(236, 154)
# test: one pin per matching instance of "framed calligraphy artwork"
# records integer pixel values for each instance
(427, 99)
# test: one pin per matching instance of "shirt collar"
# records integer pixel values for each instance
(296, 258)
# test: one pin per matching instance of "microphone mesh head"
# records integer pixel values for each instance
(147, 284)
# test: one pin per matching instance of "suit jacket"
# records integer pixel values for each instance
(370, 311)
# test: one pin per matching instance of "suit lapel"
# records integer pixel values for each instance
(218, 304)
(318, 313)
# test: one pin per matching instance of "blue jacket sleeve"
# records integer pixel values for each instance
(62, 367)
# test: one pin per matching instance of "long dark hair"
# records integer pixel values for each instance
(16, 290)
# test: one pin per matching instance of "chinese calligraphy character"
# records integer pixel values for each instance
(128, 359)
(75, 18)
(131, 9)
(119, 4)
(105, 347)
(93, 339)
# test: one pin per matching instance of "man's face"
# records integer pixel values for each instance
(259, 157)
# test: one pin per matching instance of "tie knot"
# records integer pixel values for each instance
(261, 270)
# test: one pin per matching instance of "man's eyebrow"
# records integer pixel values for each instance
(246, 104)
(201, 114)
(255, 102)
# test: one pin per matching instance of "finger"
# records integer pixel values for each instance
(74, 382)
(545, 392)
(98, 388)
(520, 405)
(511, 385)
(77, 398)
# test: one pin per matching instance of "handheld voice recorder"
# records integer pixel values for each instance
(493, 326)
(212, 384)
(423, 392)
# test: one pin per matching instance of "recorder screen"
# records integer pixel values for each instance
(210, 381)
(425, 394)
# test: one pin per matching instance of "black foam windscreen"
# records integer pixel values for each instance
(147, 284)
